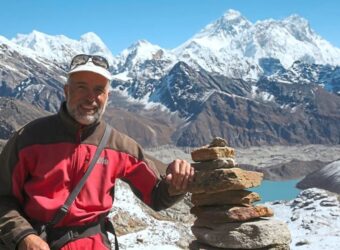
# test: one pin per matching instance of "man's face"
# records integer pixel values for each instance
(86, 96)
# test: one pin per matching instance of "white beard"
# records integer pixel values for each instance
(85, 119)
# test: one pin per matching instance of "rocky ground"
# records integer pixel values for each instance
(313, 219)
(139, 227)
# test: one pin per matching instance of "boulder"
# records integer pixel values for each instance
(327, 178)
(246, 235)
(196, 245)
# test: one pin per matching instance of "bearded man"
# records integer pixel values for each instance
(44, 161)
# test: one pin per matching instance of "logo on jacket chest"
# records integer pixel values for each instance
(103, 160)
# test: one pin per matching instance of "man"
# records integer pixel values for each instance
(43, 162)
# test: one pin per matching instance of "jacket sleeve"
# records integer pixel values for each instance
(161, 198)
(146, 177)
(13, 226)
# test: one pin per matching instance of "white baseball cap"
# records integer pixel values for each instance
(90, 63)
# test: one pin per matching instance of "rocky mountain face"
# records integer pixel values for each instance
(26, 76)
(14, 114)
(266, 112)
(272, 82)
(246, 113)
(300, 72)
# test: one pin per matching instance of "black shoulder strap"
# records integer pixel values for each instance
(64, 209)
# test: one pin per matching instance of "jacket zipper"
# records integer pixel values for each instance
(85, 165)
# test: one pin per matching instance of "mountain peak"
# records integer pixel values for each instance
(91, 43)
(29, 40)
(142, 43)
(232, 14)
(297, 20)
(60, 48)
(299, 27)
(141, 48)
(233, 18)
(36, 33)
(231, 24)
(91, 37)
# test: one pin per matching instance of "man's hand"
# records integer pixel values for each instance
(179, 174)
(33, 242)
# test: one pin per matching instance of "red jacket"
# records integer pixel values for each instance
(42, 163)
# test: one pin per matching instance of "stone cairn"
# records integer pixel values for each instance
(226, 217)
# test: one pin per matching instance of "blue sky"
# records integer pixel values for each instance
(167, 23)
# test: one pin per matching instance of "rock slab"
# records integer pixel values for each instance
(221, 179)
(246, 235)
(223, 214)
(209, 154)
(228, 197)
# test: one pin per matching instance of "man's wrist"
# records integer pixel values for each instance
(22, 236)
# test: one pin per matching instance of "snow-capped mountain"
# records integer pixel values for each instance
(287, 51)
(218, 48)
(60, 48)
(135, 59)
(33, 67)
(139, 66)
(233, 46)
(26, 75)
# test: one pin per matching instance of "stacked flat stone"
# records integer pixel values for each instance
(226, 215)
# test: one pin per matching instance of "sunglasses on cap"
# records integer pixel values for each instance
(83, 59)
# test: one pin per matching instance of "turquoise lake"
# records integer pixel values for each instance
(277, 190)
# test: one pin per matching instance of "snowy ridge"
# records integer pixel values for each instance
(303, 73)
(6, 44)
(231, 46)
(60, 48)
